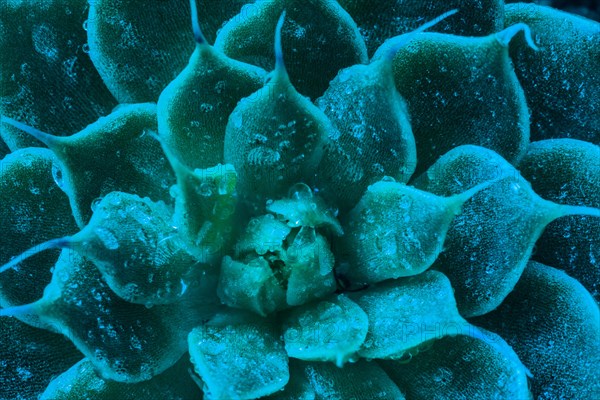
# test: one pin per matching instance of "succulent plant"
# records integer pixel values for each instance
(299, 199)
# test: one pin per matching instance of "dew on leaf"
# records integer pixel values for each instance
(396, 230)
(189, 123)
(489, 250)
(328, 29)
(263, 171)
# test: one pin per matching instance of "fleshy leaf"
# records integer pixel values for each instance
(126, 342)
(567, 66)
(319, 380)
(82, 382)
(304, 208)
(32, 210)
(263, 234)
(193, 110)
(314, 28)
(239, 359)
(486, 251)
(250, 286)
(567, 171)
(330, 330)
(215, 13)
(462, 367)
(373, 137)
(140, 255)
(276, 267)
(115, 153)
(396, 230)
(134, 245)
(383, 20)
(45, 70)
(298, 387)
(310, 264)
(30, 358)
(138, 49)
(461, 168)
(205, 208)
(275, 137)
(470, 95)
(553, 324)
(405, 313)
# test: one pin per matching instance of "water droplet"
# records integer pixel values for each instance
(174, 191)
(405, 358)
(57, 175)
(85, 48)
(205, 190)
(443, 376)
(237, 120)
(95, 203)
(300, 191)
(205, 107)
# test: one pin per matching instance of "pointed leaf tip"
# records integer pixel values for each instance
(50, 244)
(198, 35)
(279, 65)
(46, 138)
(504, 37)
(407, 38)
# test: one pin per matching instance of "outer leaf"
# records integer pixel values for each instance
(139, 48)
(314, 28)
(194, 108)
(562, 79)
(330, 330)
(116, 153)
(489, 243)
(406, 313)
(568, 172)
(373, 136)
(553, 324)
(378, 21)
(33, 210)
(239, 360)
(140, 255)
(462, 367)
(275, 137)
(325, 381)
(396, 230)
(461, 90)
(30, 358)
(44, 70)
(126, 342)
(82, 382)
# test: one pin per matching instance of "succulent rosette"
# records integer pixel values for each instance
(299, 199)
